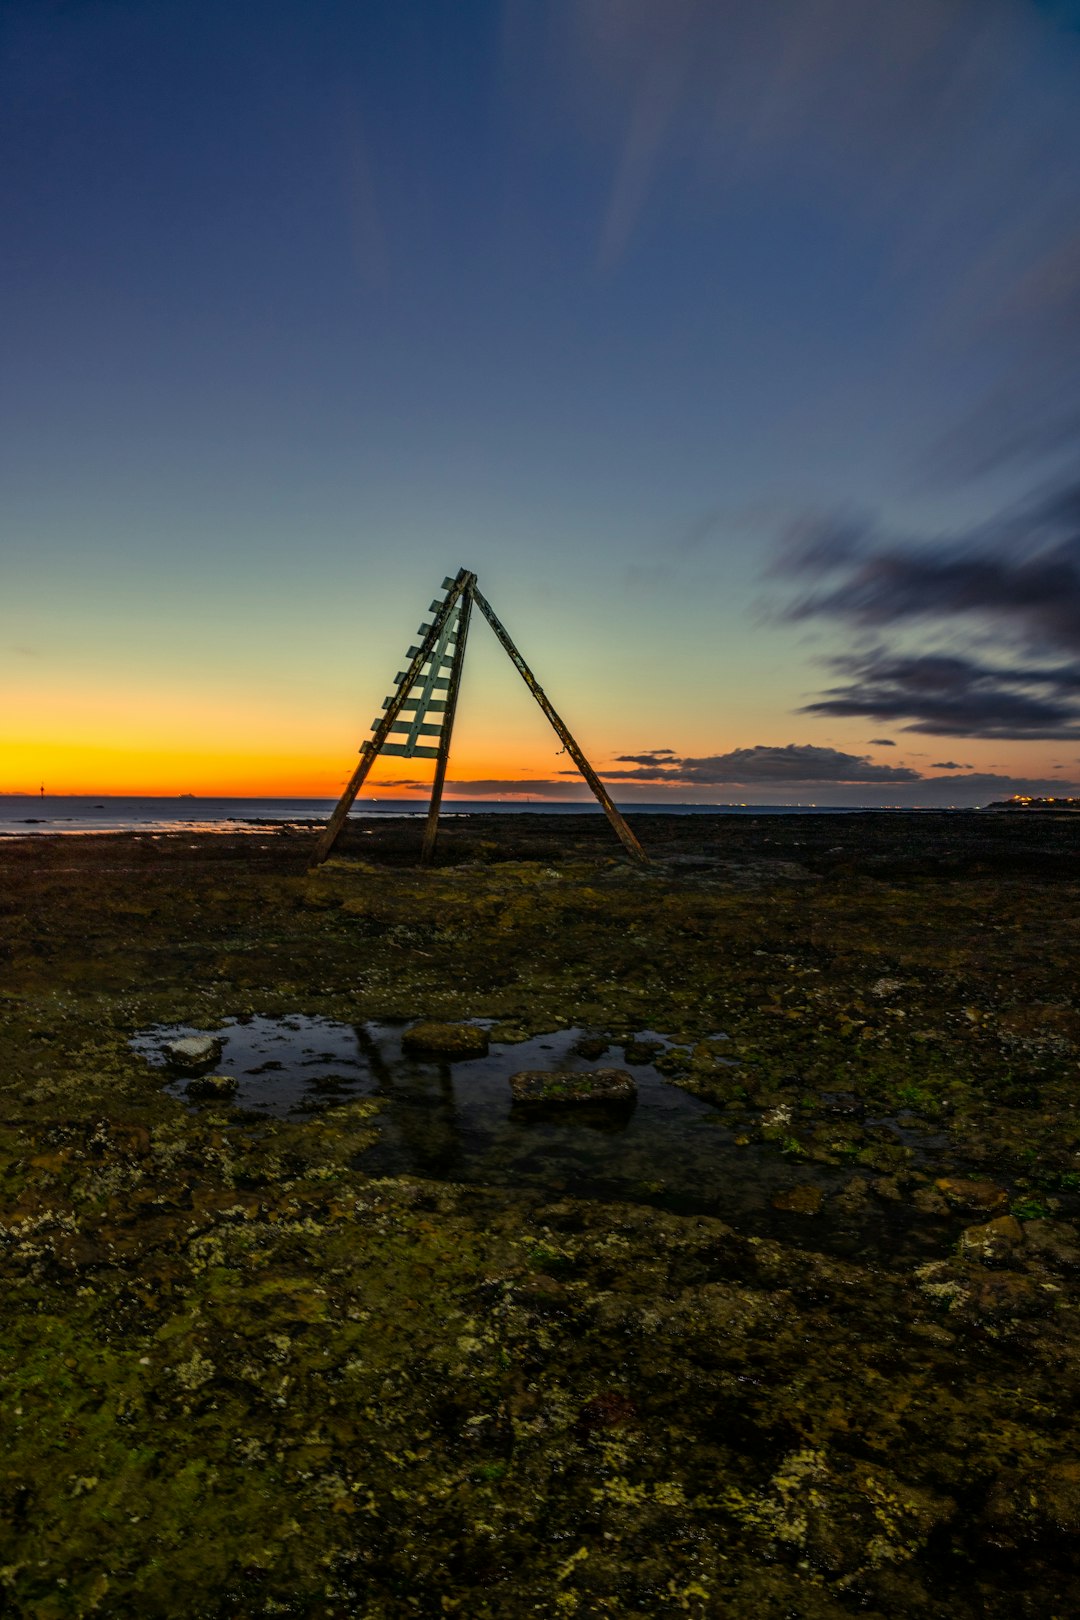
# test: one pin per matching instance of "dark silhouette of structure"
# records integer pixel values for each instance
(429, 687)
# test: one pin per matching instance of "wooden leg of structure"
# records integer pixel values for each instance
(370, 750)
(333, 827)
(431, 828)
(561, 730)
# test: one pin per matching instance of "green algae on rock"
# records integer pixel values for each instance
(451, 1041)
(585, 1086)
(245, 1372)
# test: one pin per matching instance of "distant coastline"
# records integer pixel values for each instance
(83, 814)
(1021, 801)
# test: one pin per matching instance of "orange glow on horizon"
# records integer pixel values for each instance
(165, 772)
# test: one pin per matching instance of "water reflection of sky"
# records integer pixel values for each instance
(457, 1122)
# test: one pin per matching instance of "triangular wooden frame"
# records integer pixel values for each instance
(462, 594)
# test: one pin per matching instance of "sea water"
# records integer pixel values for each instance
(25, 814)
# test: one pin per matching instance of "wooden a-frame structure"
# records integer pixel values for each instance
(429, 687)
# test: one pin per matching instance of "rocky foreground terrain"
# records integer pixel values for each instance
(245, 1377)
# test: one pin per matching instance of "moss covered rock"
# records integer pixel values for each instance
(591, 1086)
(453, 1041)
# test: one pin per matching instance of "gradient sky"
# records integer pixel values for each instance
(735, 346)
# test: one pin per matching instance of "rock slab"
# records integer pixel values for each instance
(193, 1052)
(589, 1086)
(211, 1086)
(427, 1039)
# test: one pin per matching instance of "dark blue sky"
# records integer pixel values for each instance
(305, 306)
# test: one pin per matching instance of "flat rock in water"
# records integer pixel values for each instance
(446, 1040)
(590, 1086)
(193, 1052)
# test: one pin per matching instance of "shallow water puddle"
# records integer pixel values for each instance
(455, 1121)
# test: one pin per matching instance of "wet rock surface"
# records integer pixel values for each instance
(190, 1054)
(248, 1370)
(451, 1041)
(588, 1086)
(212, 1086)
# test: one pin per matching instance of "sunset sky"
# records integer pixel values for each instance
(734, 344)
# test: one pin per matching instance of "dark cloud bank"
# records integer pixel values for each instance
(793, 763)
(1014, 583)
(801, 772)
(795, 773)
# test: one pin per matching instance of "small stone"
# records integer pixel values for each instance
(608, 1410)
(854, 1197)
(844, 1103)
(211, 1085)
(193, 1052)
(641, 1051)
(993, 1242)
(1055, 1242)
(591, 1047)
(998, 1296)
(802, 1200)
(590, 1086)
(453, 1041)
(929, 1201)
(976, 1197)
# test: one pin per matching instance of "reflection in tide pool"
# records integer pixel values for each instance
(456, 1122)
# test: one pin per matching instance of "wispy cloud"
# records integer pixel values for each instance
(947, 695)
(655, 102)
(648, 756)
(1014, 580)
(918, 122)
(1021, 572)
(365, 219)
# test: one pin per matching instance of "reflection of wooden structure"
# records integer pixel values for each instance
(429, 687)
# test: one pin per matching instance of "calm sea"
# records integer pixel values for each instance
(21, 815)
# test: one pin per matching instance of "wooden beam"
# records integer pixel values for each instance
(431, 828)
(369, 751)
(561, 730)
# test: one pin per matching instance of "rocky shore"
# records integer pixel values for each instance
(245, 1370)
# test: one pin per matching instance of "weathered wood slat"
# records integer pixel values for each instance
(411, 727)
(412, 651)
(431, 827)
(369, 751)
